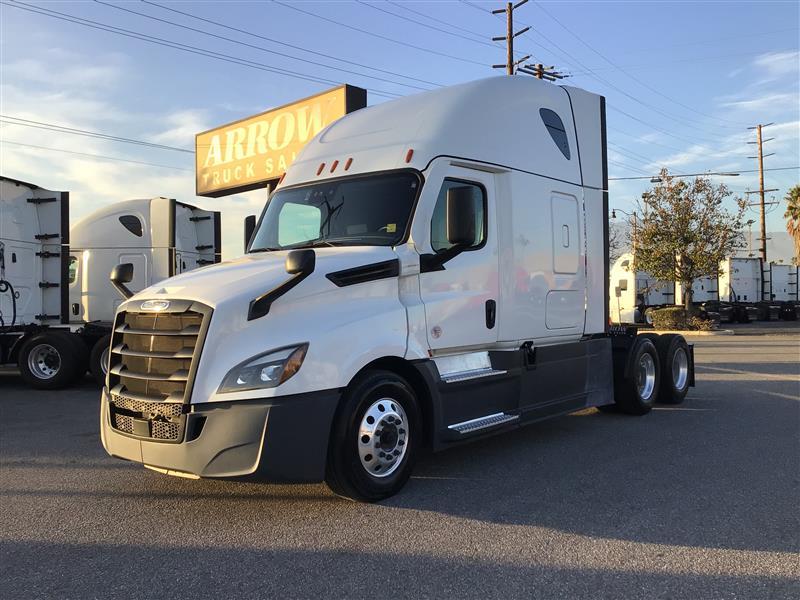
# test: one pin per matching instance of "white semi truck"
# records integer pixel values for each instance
(633, 292)
(56, 301)
(430, 270)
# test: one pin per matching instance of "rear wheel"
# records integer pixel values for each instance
(50, 360)
(673, 352)
(375, 438)
(98, 361)
(636, 392)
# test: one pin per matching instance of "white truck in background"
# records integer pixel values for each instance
(431, 270)
(56, 301)
(633, 292)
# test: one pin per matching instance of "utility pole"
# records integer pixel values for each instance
(760, 141)
(541, 72)
(766, 295)
(510, 65)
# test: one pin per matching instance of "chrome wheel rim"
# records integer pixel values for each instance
(383, 437)
(44, 361)
(680, 369)
(646, 376)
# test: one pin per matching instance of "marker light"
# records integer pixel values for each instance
(264, 371)
(409, 154)
(321, 166)
(348, 163)
(334, 165)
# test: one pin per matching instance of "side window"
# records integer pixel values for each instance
(555, 127)
(623, 284)
(439, 241)
(132, 224)
(72, 270)
(298, 223)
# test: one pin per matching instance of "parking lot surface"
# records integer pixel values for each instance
(695, 501)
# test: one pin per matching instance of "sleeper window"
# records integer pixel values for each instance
(439, 241)
(132, 224)
(555, 127)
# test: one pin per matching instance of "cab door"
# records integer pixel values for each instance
(461, 295)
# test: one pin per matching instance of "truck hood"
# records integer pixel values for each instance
(253, 274)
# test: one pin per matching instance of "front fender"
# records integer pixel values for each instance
(346, 328)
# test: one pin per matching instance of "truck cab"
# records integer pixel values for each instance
(429, 271)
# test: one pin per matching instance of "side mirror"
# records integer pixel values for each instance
(249, 229)
(120, 275)
(301, 261)
(461, 216)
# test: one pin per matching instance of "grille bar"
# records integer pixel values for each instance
(125, 351)
(121, 370)
(190, 330)
(119, 389)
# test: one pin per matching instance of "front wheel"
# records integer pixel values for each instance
(375, 438)
(98, 361)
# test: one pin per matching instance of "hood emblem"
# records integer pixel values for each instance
(154, 305)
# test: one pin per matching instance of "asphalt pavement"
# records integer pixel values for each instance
(695, 501)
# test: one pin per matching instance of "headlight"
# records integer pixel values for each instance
(266, 370)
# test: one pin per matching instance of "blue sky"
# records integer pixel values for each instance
(683, 81)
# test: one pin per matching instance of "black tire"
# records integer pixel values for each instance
(742, 316)
(673, 354)
(96, 359)
(51, 360)
(81, 357)
(346, 475)
(630, 397)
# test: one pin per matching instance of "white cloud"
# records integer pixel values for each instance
(777, 64)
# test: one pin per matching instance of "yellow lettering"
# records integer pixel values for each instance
(214, 153)
(233, 144)
(282, 163)
(309, 122)
(251, 170)
(257, 138)
(287, 120)
(269, 166)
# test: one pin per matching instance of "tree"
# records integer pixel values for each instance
(792, 216)
(685, 231)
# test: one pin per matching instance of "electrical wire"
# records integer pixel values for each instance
(261, 48)
(379, 36)
(98, 156)
(9, 120)
(636, 79)
(183, 47)
(702, 174)
(288, 45)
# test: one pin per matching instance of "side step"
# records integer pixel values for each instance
(474, 425)
(472, 374)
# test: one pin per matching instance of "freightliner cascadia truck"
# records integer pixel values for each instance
(430, 271)
(56, 302)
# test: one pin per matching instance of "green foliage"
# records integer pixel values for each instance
(677, 318)
(792, 216)
(685, 230)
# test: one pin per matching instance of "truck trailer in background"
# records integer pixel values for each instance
(633, 292)
(56, 301)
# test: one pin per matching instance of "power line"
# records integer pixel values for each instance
(9, 120)
(602, 81)
(261, 48)
(183, 47)
(796, 168)
(99, 156)
(432, 27)
(639, 81)
(432, 18)
(288, 45)
(379, 36)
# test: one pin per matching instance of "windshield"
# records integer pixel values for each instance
(369, 210)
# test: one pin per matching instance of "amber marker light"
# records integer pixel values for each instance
(409, 154)
(348, 163)
(321, 166)
(334, 165)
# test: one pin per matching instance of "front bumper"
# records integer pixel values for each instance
(276, 439)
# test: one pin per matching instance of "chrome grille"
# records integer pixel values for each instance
(153, 358)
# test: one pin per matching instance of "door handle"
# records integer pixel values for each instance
(491, 313)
